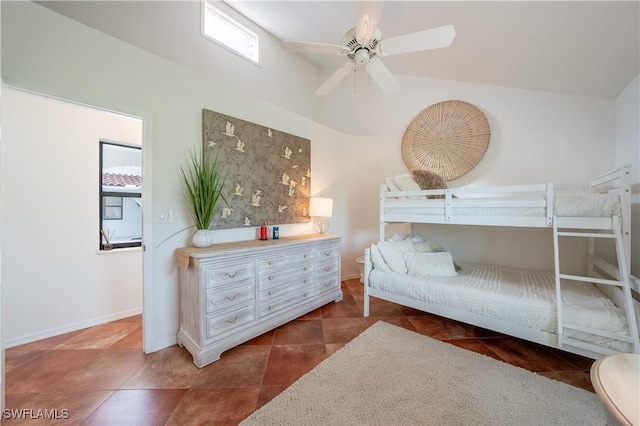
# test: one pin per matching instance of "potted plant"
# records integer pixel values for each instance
(203, 181)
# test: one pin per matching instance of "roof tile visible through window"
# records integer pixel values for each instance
(114, 179)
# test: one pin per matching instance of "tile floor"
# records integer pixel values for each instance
(99, 376)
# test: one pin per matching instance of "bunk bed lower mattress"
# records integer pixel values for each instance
(521, 297)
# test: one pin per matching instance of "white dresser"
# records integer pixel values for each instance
(233, 292)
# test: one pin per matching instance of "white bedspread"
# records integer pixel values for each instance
(572, 204)
(522, 297)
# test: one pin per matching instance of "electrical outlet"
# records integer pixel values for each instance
(166, 216)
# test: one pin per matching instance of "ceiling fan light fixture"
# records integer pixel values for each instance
(361, 56)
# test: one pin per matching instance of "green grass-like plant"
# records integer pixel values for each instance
(203, 181)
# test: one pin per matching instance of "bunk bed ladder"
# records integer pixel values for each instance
(616, 279)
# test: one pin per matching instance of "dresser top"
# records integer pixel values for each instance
(185, 254)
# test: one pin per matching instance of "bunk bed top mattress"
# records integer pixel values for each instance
(573, 204)
(521, 297)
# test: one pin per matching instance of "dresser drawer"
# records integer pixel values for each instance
(278, 276)
(233, 295)
(278, 305)
(297, 285)
(218, 324)
(285, 258)
(327, 252)
(325, 268)
(224, 274)
(327, 283)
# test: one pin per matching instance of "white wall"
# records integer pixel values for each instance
(536, 136)
(628, 152)
(54, 277)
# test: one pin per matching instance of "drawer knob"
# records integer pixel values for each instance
(306, 281)
(270, 277)
(271, 262)
(231, 274)
(306, 255)
(327, 268)
(234, 297)
(233, 320)
(329, 284)
(306, 268)
(270, 292)
(270, 307)
(327, 253)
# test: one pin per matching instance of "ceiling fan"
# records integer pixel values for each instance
(363, 45)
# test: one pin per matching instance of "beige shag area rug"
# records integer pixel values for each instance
(391, 376)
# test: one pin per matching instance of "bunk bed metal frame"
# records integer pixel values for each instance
(613, 279)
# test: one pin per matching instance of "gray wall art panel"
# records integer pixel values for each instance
(268, 172)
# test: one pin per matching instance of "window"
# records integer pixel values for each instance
(120, 195)
(223, 29)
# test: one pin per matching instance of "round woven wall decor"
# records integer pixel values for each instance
(448, 138)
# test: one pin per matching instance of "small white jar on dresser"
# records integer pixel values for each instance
(233, 292)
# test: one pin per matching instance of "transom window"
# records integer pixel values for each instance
(223, 29)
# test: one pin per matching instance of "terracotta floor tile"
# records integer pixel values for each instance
(299, 332)
(108, 370)
(441, 328)
(287, 363)
(342, 330)
(137, 407)
(346, 308)
(48, 343)
(68, 407)
(527, 355)
(240, 366)
(99, 337)
(474, 345)
(131, 340)
(579, 379)
(14, 358)
(170, 368)
(40, 372)
(315, 314)
(222, 406)
(267, 393)
(399, 321)
(263, 339)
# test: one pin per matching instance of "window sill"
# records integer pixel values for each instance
(119, 250)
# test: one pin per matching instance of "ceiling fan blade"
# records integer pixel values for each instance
(369, 13)
(381, 74)
(434, 38)
(299, 46)
(335, 78)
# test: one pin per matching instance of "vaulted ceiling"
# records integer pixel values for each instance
(587, 48)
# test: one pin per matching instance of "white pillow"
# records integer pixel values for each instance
(377, 259)
(406, 183)
(391, 184)
(393, 254)
(430, 264)
(424, 247)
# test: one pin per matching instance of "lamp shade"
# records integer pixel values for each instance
(320, 207)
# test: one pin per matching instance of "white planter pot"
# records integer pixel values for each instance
(201, 238)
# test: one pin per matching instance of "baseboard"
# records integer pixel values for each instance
(17, 341)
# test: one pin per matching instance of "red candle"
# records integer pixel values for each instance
(263, 232)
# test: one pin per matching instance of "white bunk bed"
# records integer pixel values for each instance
(590, 315)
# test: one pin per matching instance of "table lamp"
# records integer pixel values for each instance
(320, 209)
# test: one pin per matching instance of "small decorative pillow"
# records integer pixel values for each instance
(378, 260)
(406, 183)
(427, 179)
(393, 252)
(430, 264)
